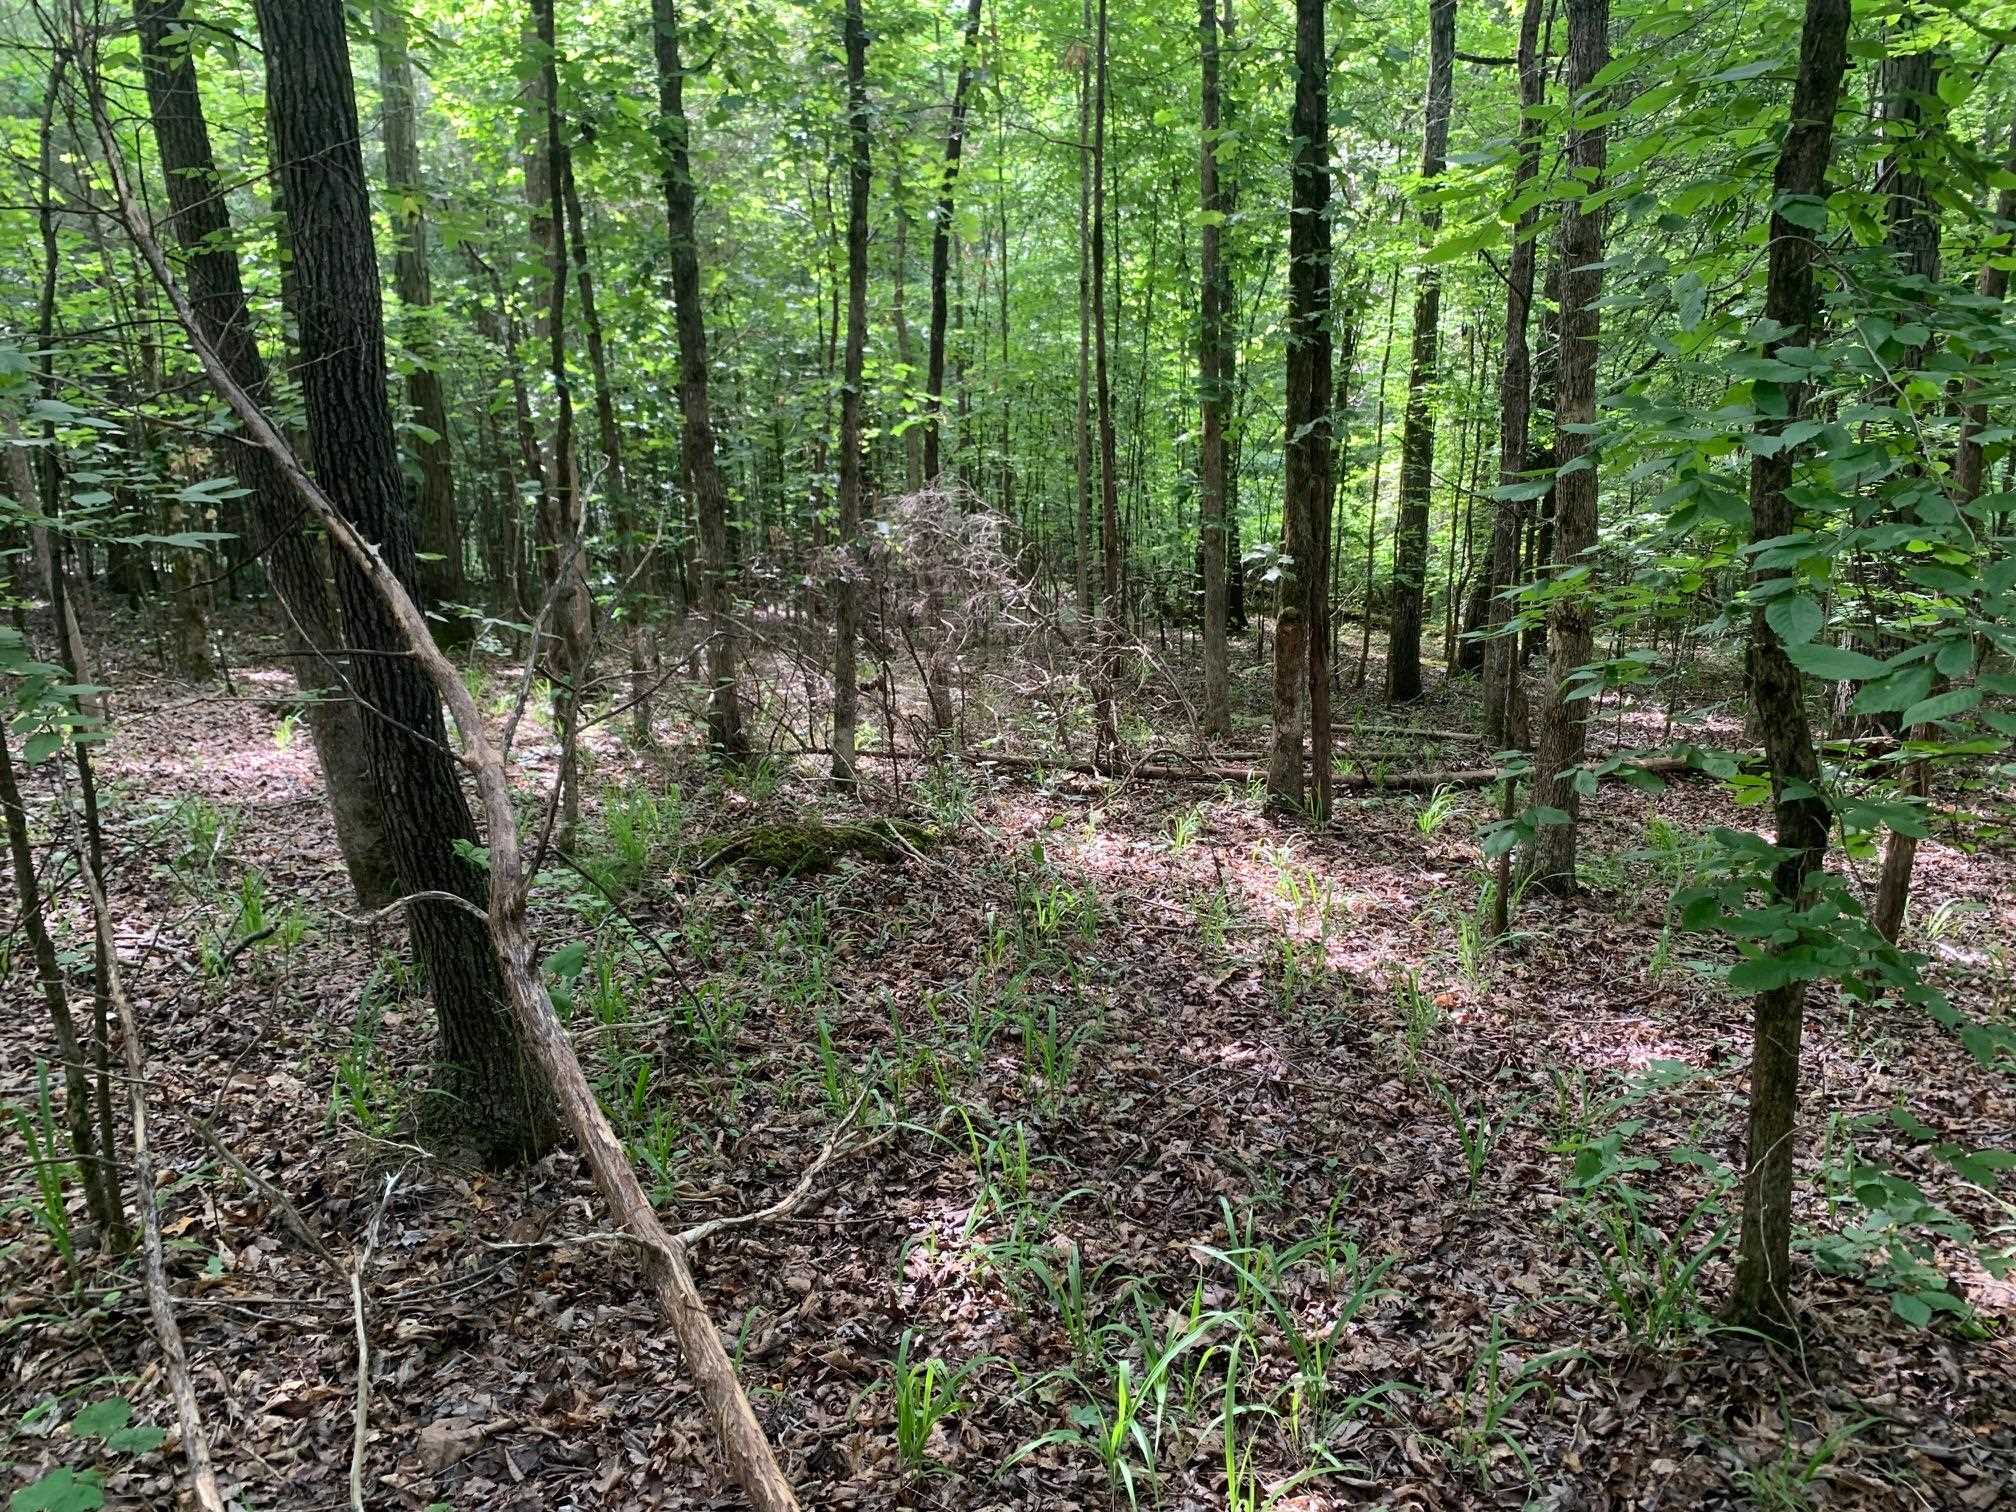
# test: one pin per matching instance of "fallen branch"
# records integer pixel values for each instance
(361, 1413)
(751, 1460)
(289, 1214)
(154, 1267)
(786, 1205)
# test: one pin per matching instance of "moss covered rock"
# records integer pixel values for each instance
(797, 847)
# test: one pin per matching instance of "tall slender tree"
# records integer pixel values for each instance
(1306, 492)
(941, 248)
(1417, 433)
(714, 592)
(489, 1093)
(1214, 296)
(847, 591)
(561, 523)
(435, 528)
(1763, 1293)
(1505, 717)
(1111, 606)
(201, 223)
(1571, 632)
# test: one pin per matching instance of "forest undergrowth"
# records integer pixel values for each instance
(1198, 1161)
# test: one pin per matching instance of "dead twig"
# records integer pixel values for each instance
(289, 1214)
(361, 1414)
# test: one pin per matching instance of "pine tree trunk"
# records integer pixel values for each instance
(1763, 1294)
(847, 591)
(487, 1090)
(1564, 718)
(439, 535)
(200, 220)
(726, 736)
(1083, 430)
(1417, 434)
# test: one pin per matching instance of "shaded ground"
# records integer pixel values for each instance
(1142, 1070)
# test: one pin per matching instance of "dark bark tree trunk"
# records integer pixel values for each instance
(200, 220)
(1910, 84)
(714, 595)
(1564, 717)
(941, 250)
(439, 536)
(631, 604)
(847, 591)
(1306, 490)
(1112, 607)
(1763, 1294)
(1214, 298)
(1083, 430)
(97, 1160)
(488, 1091)
(913, 437)
(1372, 496)
(1417, 435)
(1505, 714)
(561, 525)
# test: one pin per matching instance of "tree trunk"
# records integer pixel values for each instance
(488, 1092)
(1306, 489)
(847, 591)
(713, 597)
(1564, 718)
(631, 604)
(97, 1164)
(1505, 715)
(1372, 496)
(1111, 607)
(1417, 434)
(1763, 1295)
(1909, 82)
(1217, 717)
(440, 538)
(1083, 434)
(561, 526)
(941, 249)
(201, 224)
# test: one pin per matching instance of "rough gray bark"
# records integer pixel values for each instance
(486, 1091)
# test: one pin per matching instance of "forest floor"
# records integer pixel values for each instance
(1241, 1125)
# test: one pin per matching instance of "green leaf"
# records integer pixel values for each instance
(101, 1419)
(1796, 617)
(60, 1491)
(141, 1438)
(1941, 706)
(1834, 663)
(1908, 1307)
